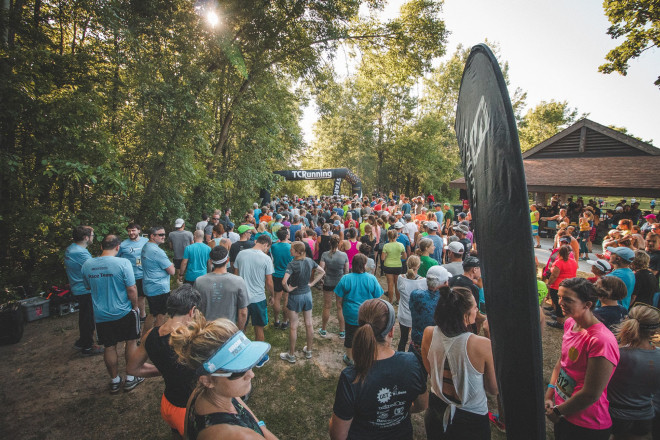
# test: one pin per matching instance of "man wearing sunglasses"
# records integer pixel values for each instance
(157, 269)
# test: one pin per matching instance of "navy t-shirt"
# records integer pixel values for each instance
(610, 315)
(379, 406)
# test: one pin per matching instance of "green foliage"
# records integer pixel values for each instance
(544, 121)
(638, 22)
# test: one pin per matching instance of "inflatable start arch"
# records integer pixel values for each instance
(338, 174)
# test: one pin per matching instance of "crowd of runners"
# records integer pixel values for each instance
(258, 269)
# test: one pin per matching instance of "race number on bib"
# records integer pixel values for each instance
(565, 385)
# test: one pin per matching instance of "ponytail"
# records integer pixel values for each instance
(642, 323)
(413, 265)
(373, 319)
(334, 243)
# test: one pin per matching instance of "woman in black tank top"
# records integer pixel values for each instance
(223, 359)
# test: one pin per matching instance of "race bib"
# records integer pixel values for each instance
(565, 385)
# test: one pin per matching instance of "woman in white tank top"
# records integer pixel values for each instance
(461, 368)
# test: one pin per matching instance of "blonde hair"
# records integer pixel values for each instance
(413, 265)
(197, 341)
(641, 261)
(299, 247)
(640, 326)
(261, 227)
(424, 245)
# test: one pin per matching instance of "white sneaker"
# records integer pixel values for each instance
(290, 358)
(308, 353)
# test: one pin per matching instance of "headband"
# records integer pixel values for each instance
(391, 316)
(219, 262)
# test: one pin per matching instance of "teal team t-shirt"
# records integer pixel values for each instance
(356, 288)
(74, 258)
(108, 278)
(281, 253)
(132, 251)
(155, 280)
(197, 255)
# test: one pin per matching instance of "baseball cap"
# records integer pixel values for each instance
(178, 223)
(398, 213)
(433, 226)
(649, 217)
(278, 217)
(398, 225)
(337, 223)
(623, 252)
(470, 262)
(464, 229)
(619, 209)
(565, 239)
(439, 273)
(237, 355)
(407, 216)
(603, 265)
(455, 247)
(243, 228)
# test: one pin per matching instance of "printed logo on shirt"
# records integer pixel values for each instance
(384, 395)
(573, 354)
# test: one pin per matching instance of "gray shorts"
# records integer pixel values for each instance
(300, 303)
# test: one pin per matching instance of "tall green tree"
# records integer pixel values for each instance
(544, 121)
(638, 23)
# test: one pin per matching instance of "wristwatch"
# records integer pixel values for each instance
(555, 410)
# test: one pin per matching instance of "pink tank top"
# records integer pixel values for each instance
(351, 252)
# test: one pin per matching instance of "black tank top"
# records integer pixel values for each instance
(324, 245)
(197, 423)
(179, 380)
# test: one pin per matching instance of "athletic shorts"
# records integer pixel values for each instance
(258, 312)
(277, 284)
(350, 332)
(158, 304)
(174, 416)
(327, 288)
(392, 270)
(535, 230)
(138, 284)
(622, 427)
(300, 303)
(177, 263)
(123, 329)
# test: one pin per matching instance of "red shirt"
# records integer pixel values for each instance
(567, 269)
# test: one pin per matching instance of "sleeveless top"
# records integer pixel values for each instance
(467, 381)
(324, 245)
(198, 423)
(352, 251)
(179, 380)
(532, 217)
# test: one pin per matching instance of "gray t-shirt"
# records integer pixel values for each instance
(635, 381)
(179, 240)
(334, 266)
(222, 295)
(253, 266)
(455, 268)
(300, 273)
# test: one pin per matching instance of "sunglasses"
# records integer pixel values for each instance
(160, 235)
(230, 376)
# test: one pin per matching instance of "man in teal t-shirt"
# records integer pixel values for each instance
(131, 249)
(157, 269)
(114, 295)
(74, 257)
(195, 259)
(281, 253)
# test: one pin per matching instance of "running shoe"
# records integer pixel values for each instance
(91, 351)
(308, 353)
(131, 384)
(342, 335)
(290, 358)
(555, 324)
(284, 326)
(115, 387)
(77, 346)
(323, 332)
(495, 420)
(348, 361)
(263, 361)
(277, 324)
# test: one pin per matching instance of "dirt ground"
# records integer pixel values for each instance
(49, 391)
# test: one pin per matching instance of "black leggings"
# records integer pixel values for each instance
(555, 302)
(405, 331)
(565, 430)
(464, 426)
